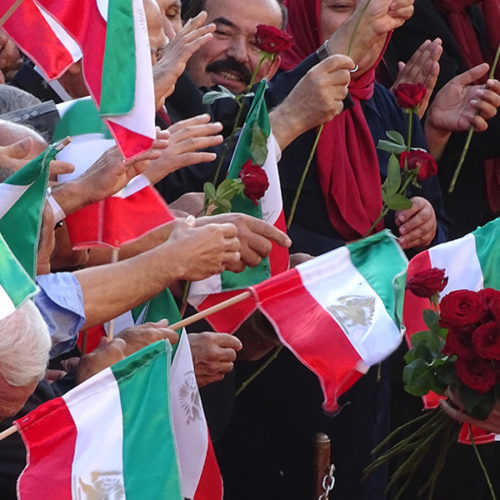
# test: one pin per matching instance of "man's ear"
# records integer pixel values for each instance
(273, 68)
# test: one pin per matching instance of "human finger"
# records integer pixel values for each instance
(196, 130)
(230, 341)
(195, 120)
(57, 167)
(472, 74)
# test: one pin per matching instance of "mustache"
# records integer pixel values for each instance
(231, 64)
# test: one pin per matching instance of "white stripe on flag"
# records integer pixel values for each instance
(141, 118)
(82, 152)
(332, 280)
(65, 38)
(189, 424)
(9, 195)
(459, 259)
(99, 438)
(6, 305)
(271, 203)
(136, 184)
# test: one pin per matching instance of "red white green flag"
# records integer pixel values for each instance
(113, 38)
(206, 293)
(110, 437)
(344, 305)
(119, 219)
(470, 263)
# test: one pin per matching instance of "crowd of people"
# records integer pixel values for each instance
(347, 58)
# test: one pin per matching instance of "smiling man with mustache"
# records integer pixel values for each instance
(230, 58)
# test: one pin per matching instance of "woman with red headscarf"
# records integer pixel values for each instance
(266, 453)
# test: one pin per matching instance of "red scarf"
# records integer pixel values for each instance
(465, 35)
(346, 157)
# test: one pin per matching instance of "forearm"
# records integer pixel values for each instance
(113, 289)
(98, 256)
(436, 138)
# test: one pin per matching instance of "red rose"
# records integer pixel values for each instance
(421, 160)
(255, 180)
(459, 342)
(486, 340)
(462, 309)
(491, 299)
(476, 373)
(427, 283)
(272, 40)
(410, 95)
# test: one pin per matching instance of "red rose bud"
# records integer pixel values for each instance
(255, 180)
(459, 342)
(421, 160)
(427, 283)
(491, 299)
(476, 373)
(486, 340)
(272, 40)
(410, 95)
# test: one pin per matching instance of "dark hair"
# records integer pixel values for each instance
(191, 8)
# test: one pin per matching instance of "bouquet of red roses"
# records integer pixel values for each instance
(459, 354)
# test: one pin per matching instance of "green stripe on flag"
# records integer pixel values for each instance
(81, 117)
(13, 278)
(488, 252)
(380, 259)
(149, 459)
(20, 226)
(119, 60)
(257, 116)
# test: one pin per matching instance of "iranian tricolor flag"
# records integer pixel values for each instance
(471, 263)
(15, 285)
(200, 475)
(22, 197)
(113, 38)
(119, 219)
(110, 437)
(206, 293)
(338, 312)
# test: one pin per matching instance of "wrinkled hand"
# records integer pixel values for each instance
(188, 204)
(422, 67)
(201, 252)
(316, 99)
(460, 105)
(187, 139)
(127, 342)
(457, 412)
(255, 236)
(213, 355)
(417, 225)
(106, 176)
(175, 55)
(383, 16)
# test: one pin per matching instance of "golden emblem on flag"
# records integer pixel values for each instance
(354, 313)
(104, 486)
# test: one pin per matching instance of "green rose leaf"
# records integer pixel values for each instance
(214, 95)
(477, 405)
(398, 202)
(396, 137)
(209, 190)
(418, 378)
(393, 180)
(390, 147)
(258, 146)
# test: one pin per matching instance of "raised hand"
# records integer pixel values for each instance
(417, 225)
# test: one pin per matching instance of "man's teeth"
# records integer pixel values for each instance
(229, 76)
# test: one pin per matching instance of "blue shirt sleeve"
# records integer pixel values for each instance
(60, 301)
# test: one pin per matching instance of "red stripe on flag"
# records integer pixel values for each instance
(42, 45)
(49, 434)
(210, 485)
(88, 28)
(310, 333)
(130, 143)
(279, 259)
(231, 318)
(480, 435)
(116, 221)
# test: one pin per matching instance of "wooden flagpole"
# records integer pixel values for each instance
(10, 11)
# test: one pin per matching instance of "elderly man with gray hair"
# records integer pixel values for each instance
(24, 353)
